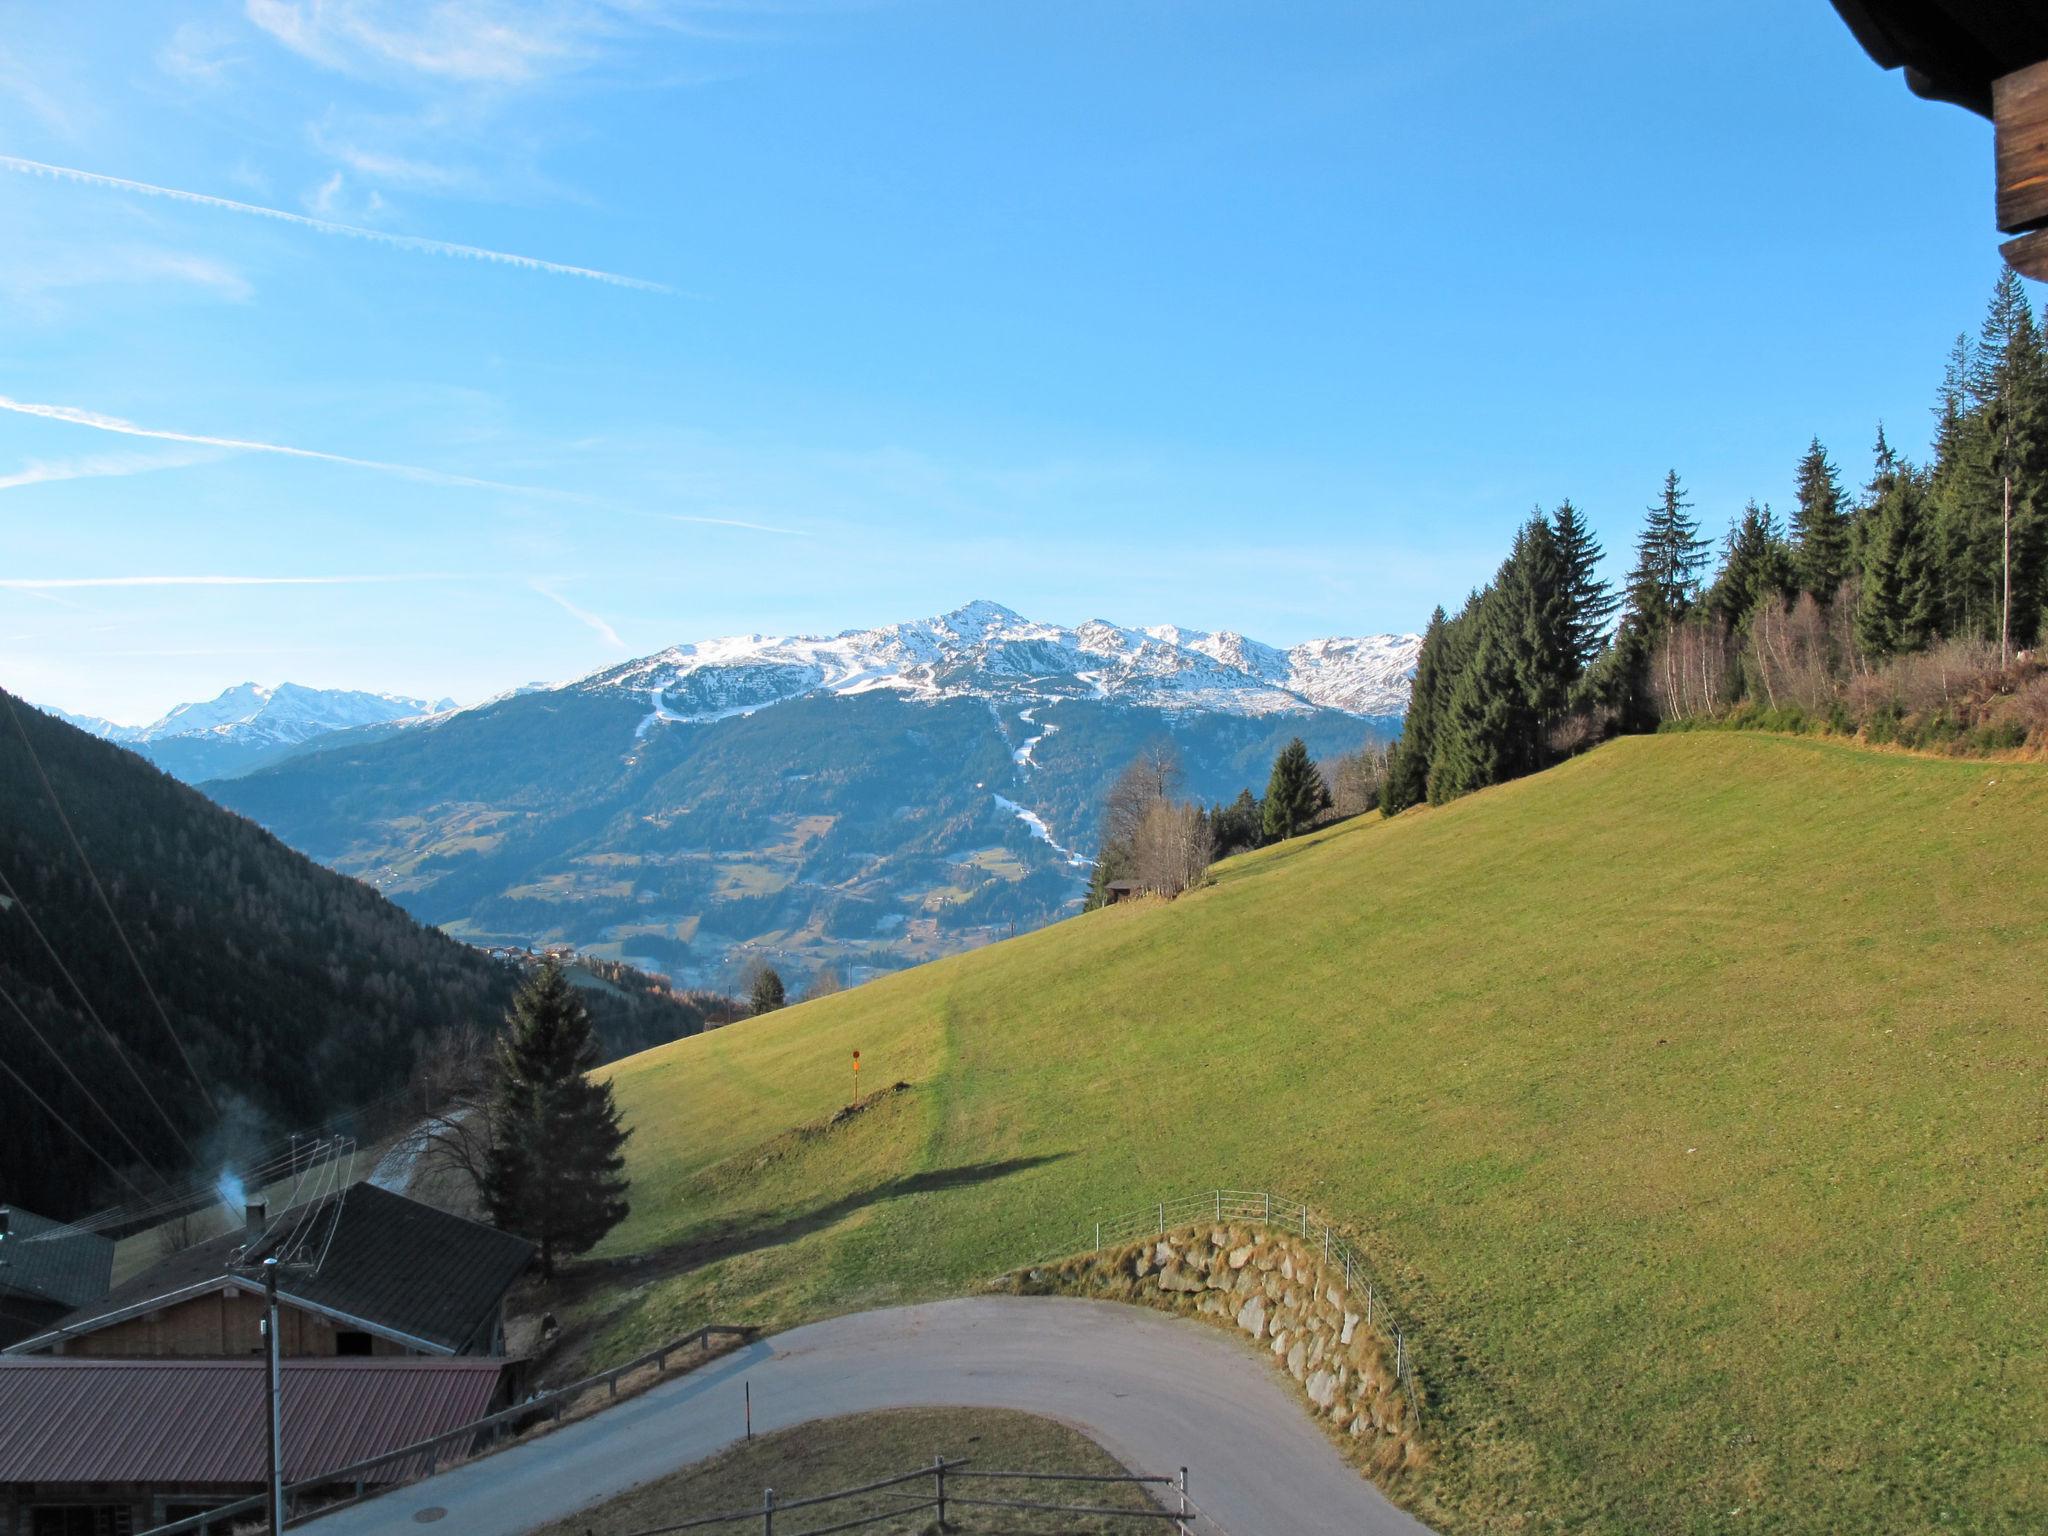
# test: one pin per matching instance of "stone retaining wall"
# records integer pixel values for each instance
(1275, 1289)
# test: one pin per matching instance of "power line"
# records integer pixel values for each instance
(82, 1141)
(78, 848)
(92, 1013)
(22, 1014)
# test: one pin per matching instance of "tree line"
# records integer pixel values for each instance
(1153, 841)
(1904, 611)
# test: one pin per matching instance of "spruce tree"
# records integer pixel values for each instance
(1592, 602)
(1485, 717)
(1534, 591)
(1898, 606)
(1758, 565)
(1820, 526)
(765, 991)
(555, 1171)
(1407, 781)
(1295, 793)
(1670, 555)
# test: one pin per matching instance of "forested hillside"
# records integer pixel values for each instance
(1904, 612)
(287, 992)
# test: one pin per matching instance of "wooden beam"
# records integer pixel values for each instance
(2028, 255)
(2020, 109)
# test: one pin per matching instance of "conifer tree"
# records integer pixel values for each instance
(555, 1170)
(1670, 555)
(1897, 607)
(1295, 793)
(765, 989)
(1820, 526)
(1534, 595)
(1759, 564)
(1407, 781)
(1592, 602)
(1485, 717)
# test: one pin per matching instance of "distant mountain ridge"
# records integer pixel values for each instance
(856, 802)
(249, 724)
(987, 650)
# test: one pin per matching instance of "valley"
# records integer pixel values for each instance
(858, 804)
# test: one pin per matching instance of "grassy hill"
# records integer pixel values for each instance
(1692, 1094)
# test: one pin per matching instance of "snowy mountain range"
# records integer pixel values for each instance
(249, 724)
(985, 650)
(858, 801)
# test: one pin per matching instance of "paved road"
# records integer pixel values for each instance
(1157, 1392)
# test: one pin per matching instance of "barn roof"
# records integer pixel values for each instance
(50, 1261)
(1951, 50)
(194, 1422)
(391, 1266)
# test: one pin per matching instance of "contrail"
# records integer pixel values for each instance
(609, 635)
(102, 423)
(328, 226)
(47, 583)
(99, 466)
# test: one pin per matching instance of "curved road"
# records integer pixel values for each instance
(1156, 1392)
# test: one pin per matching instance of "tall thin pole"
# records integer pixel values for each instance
(2005, 614)
(273, 1397)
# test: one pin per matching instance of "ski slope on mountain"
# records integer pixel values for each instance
(1689, 1096)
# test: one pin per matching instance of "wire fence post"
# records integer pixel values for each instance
(1162, 1218)
(1326, 1244)
(1304, 1221)
(1267, 1219)
(1219, 1205)
(767, 1512)
(1347, 1272)
(939, 1477)
(1098, 1237)
(1181, 1524)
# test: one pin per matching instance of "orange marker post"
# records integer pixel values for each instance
(856, 1078)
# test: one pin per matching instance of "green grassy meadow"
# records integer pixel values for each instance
(1691, 1096)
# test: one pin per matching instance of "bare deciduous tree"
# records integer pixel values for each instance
(454, 1082)
(1152, 777)
(1692, 674)
(1172, 847)
(1354, 779)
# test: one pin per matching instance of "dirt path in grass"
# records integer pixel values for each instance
(1158, 1393)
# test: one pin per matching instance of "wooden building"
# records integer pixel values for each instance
(377, 1274)
(114, 1447)
(1990, 56)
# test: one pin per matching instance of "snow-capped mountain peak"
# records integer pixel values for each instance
(984, 649)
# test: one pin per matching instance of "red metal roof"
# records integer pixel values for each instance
(201, 1421)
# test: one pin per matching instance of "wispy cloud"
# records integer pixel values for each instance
(328, 226)
(78, 417)
(729, 522)
(96, 467)
(605, 632)
(74, 583)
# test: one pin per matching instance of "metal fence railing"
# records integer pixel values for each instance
(1169, 1501)
(1248, 1207)
(424, 1458)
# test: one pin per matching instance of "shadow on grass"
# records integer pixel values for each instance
(771, 1229)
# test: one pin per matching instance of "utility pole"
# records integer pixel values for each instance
(2005, 614)
(273, 1397)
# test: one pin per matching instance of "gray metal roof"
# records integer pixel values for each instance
(197, 1422)
(392, 1265)
(48, 1261)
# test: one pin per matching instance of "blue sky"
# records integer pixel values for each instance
(1274, 318)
